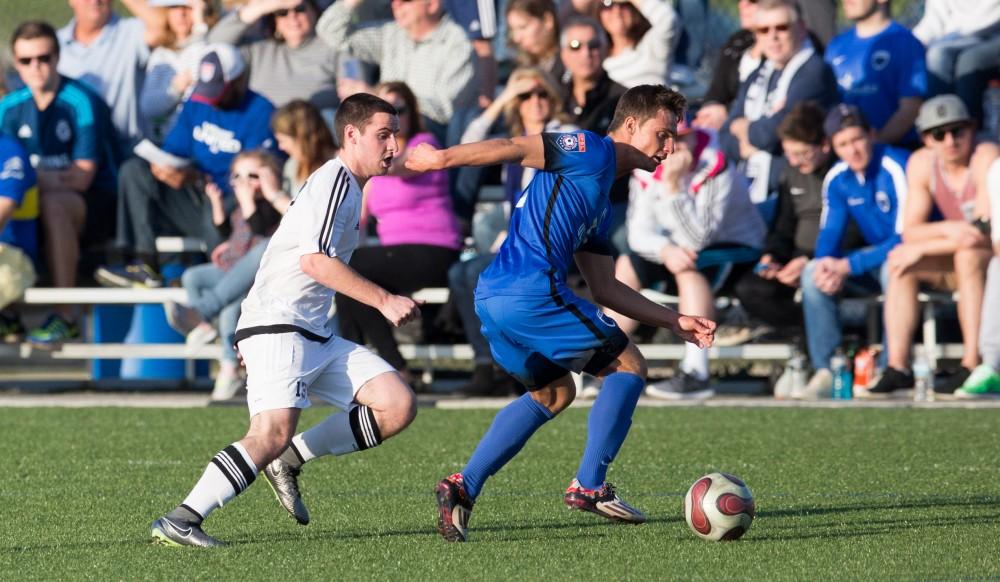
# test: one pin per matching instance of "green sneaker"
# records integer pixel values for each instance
(53, 332)
(983, 382)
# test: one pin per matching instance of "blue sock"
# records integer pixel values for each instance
(610, 419)
(511, 428)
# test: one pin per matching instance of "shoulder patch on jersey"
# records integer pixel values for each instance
(573, 142)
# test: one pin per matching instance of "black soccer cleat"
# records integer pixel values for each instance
(167, 532)
(603, 501)
(454, 509)
(284, 481)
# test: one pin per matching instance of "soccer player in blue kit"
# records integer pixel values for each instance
(538, 330)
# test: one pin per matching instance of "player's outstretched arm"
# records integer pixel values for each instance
(598, 270)
(335, 274)
(527, 151)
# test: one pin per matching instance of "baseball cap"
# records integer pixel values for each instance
(843, 116)
(220, 65)
(168, 3)
(941, 110)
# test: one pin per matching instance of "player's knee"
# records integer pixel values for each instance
(556, 397)
(632, 361)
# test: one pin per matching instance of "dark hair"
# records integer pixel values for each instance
(270, 28)
(643, 101)
(357, 110)
(301, 121)
(640, 26)
(803, 123)
(415, 123)
(578, 20)
(32, 29)
(536, 9)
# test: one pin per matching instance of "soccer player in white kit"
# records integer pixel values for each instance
(285, 338)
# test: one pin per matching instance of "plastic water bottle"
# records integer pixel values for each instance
(843, 383)
(991, 110)
(923, 379)
(864, 368)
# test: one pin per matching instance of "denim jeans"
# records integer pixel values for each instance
(462, 279)
(961, 65)
(215, 293)
(822, 311)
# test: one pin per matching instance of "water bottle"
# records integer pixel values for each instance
(923, 379)
(469, 251)
(864, 369)
(842, 382)
(991, 110)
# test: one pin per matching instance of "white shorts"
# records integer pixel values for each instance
(285, 369)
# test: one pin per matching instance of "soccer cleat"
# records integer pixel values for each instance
(454, 509)
(136, 274)
(603, 501)
(284, 481)
(167, 532)
(54, 331)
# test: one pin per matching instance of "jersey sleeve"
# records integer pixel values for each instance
(323, 204)
(577, 153)
(16, 174)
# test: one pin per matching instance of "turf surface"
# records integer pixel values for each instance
(841, 494)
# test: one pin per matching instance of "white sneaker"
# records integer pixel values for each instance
(783, 385)
(819, 387)
(591, 388)
(227, 384)
(203, 334)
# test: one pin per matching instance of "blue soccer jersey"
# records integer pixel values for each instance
(73, 127)
(17, 182)
(875, 72)
(564, 209)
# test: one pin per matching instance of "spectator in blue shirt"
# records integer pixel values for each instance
(867, 187)
(67, 132)
(220, 119)
(880, 67)
(18, 244)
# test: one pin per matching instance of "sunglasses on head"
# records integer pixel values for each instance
(43, 59)
(592, 44)
(955, 131)
(540, 93)
(762, 30)
(234, 177)
(284, 11)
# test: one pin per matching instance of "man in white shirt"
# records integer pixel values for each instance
(286, 338)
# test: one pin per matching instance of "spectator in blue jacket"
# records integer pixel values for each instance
(867, 186)
(880, 67)
(164, 196)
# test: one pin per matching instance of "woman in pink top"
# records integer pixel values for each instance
(418, 233)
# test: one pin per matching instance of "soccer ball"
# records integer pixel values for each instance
(719, 506)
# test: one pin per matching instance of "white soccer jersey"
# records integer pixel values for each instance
(323, 218)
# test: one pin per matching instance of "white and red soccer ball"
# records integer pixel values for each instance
(719, 506)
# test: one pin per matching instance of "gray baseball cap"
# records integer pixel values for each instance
(940, 111)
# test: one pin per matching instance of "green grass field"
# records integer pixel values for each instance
(841, 494)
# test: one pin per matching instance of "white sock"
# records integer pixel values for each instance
(229, 474)
(339, 434)
(695, 362)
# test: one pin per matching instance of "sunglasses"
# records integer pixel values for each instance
(42, 59)
(284, 11)
(540, 93)
(249, 176)
(764, 30)
(955, 131)
(592, 44)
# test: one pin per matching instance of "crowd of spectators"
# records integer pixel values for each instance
(819, 163)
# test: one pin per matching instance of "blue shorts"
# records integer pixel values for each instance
(539, 339)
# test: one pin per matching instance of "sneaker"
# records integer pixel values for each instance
(284, 481)
(891, 380)
(819, 387)
(603, 501)
(54, 331)
(167, 532)
(227, 385)
(949, 383)
(982, 383)
(729, 335)
(11, 328)
(202, 335)
(454, 509)
(783, 385)
(181, 318)
(591, 388)
(682, 386)
(136, 274)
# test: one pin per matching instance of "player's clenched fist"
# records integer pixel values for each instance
(425, 158)
(399, 310)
